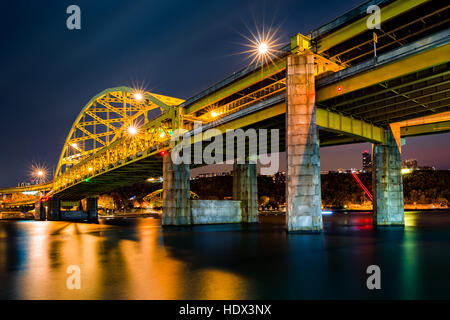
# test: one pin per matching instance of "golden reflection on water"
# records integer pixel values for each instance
(137, 259)
(221, 285)
(410, 220)
(114, 263)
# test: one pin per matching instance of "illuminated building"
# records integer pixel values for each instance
(366, 161)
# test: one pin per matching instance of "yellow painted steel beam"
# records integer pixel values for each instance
(325, 119)
(353, 29)
(434, 118)
(253, 118)
(91, 135)
(34, 187)
(340, 140)
(336, 122)
(424, 129)
(434, 123)
(252, 78)
(100, 120)
(393, 70)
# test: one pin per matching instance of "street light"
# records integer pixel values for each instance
(38, 173)
(263, 48)
(132, 130)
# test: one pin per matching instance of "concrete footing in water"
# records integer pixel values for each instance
(387, 184)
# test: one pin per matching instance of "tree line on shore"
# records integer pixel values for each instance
(338, 189)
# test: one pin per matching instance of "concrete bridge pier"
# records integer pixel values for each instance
(54, 209)
(39, 211)
(245, 189)
(176, 193)
(303, 212)
(92, 208)
(387, 184)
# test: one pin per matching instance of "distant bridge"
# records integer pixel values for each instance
(328, 80)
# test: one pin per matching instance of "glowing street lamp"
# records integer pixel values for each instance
(38, 174)
(263, 48)
(132, 130)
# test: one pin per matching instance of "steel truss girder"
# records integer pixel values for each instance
(118, 105)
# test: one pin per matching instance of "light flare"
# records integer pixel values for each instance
(263, 46)
(132, 130)
(39, 173)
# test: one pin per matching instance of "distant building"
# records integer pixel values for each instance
(427, 168)
(366, 161)
(410, 164)
(340, 170)
(279, 176)
(23, 184)
(213, 174)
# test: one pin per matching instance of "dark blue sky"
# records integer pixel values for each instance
(175, 48)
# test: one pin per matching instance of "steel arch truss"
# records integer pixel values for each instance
(99, 137)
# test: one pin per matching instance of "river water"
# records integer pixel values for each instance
(135, 258)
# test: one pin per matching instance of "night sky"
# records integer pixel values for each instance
(176, 48)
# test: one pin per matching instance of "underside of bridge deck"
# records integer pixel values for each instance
(124, 175)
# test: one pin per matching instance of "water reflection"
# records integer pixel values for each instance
(137, 259)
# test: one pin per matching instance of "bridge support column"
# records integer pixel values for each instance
(245, 189)
(54, 209)
(387, 184)
(92, 208)
(176, 193)
(303, 212)
(39, 211)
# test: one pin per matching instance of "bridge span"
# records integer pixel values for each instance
(325, 88)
